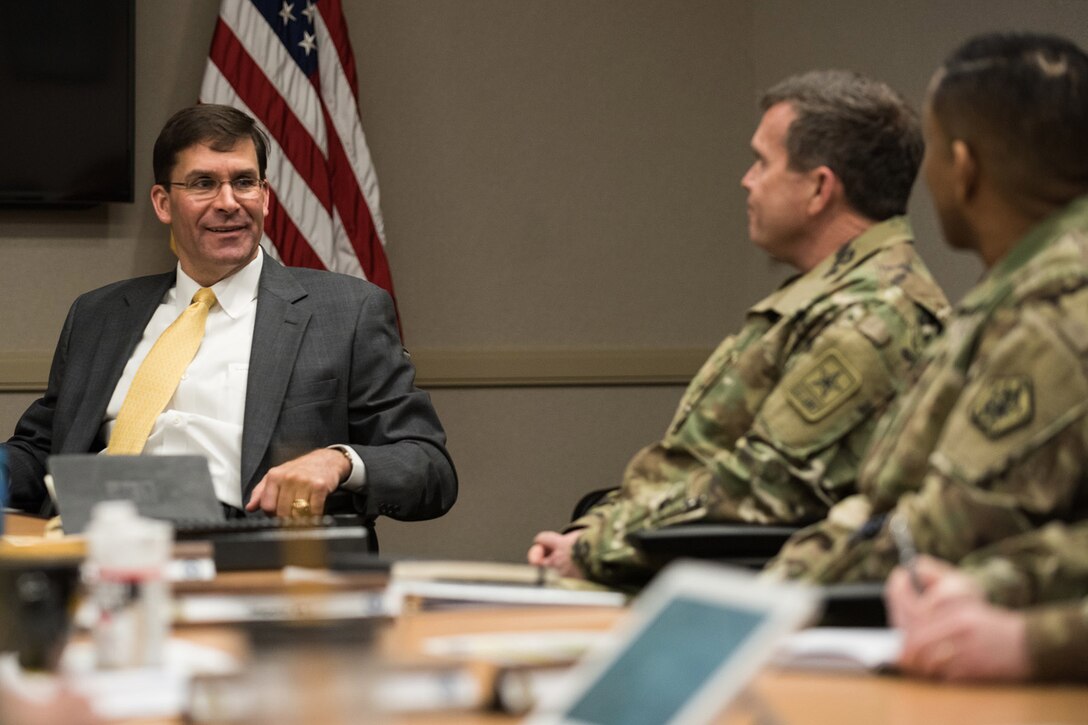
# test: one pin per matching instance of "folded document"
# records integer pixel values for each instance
(840, 648)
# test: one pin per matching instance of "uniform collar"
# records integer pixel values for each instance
(799, 291)
(999, 279)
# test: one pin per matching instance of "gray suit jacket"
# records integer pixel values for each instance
(326, 366)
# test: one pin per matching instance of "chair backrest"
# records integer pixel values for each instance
(588, 501)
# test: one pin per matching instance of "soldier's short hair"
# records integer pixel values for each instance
(220, 127)
(1026, 96)
(861, 129)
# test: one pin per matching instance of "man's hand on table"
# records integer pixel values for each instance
(310, 478)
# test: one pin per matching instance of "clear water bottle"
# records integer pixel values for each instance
(127, 558)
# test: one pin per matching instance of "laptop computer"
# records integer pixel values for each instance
(693, 639)
(173, 488)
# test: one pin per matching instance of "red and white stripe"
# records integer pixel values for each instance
(324, 207)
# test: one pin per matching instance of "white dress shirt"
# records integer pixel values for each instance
(204, 417)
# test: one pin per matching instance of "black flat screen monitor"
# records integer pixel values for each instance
(66, 80)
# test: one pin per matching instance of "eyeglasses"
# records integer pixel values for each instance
(205, 187)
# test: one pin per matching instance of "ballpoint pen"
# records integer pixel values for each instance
(908, 554)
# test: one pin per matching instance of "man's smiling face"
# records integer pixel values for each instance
(217, 236)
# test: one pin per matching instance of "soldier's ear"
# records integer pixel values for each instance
(826, 189)
(965, 171)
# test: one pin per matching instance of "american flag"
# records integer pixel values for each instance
(290, 66)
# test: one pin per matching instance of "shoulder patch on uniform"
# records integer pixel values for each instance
(829, 381)
(1004, 405)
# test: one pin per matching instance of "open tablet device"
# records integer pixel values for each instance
(692, 641)
(172, 488)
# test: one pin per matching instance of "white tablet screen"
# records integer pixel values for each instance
(661, 669)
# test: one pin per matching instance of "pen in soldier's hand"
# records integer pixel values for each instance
(908, 554)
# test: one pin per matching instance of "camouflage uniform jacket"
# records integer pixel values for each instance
(1058, 641)
(1049, 565)
(771, 429)
(992, 440)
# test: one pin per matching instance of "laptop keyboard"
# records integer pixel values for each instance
(203, 529)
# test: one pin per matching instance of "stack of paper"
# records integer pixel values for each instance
(841, 648)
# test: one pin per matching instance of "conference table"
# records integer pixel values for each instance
(775, 696)
(801, 696)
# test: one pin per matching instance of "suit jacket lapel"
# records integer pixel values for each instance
(277, 335)
(122, 328)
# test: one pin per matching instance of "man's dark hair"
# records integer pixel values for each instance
(220, 127)
(859, 128)
(1025, 96)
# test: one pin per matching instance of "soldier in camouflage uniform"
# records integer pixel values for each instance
(952, 630)
(773, 426)
(992, 440)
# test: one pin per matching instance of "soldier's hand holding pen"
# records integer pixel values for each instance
(949, 629)
(921, 586)
(925, 590)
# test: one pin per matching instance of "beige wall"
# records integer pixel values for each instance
(560, 188)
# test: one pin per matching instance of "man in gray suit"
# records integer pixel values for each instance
(300, 394)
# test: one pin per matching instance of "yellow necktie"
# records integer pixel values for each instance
(158, 376)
